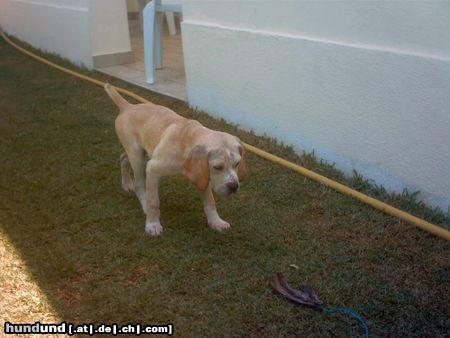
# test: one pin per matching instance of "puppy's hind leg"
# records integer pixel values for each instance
(136, 156)
(125, 170)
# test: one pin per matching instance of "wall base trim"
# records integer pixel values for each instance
(106, 60)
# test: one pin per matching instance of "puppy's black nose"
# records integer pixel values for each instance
(232, 186)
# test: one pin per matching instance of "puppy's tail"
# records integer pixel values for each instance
(116, 97)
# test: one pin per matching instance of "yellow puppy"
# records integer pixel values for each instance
(212, 160)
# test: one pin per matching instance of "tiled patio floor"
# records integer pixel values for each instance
(170, 80)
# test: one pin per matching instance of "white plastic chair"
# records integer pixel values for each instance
(153, 20)
(169, 17)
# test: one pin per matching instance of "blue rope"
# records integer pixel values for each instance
(348, 311)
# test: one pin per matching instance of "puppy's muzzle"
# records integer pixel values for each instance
(232, 186)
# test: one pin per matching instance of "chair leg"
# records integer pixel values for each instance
(141, 5)
(158, 39)
(149, 35)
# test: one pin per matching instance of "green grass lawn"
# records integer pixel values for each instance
(83, 238)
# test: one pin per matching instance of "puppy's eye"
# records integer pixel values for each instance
(218, 167)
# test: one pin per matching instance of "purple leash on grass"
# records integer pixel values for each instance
(307, 296)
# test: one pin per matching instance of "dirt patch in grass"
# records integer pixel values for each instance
(82, 239)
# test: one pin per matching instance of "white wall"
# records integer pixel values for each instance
(364, 84)
(75, 29)
(61, 27)
(109, 27)
(416, 26)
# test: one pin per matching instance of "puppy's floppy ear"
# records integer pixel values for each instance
(242, 170)
(197, 167)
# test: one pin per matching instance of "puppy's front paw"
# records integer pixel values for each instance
(219, 224)
(153, 228)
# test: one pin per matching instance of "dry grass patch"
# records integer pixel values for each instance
(21, 301)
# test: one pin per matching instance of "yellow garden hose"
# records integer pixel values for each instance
(424, 225)
(386, 208)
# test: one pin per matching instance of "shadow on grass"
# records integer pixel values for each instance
(83, 238)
